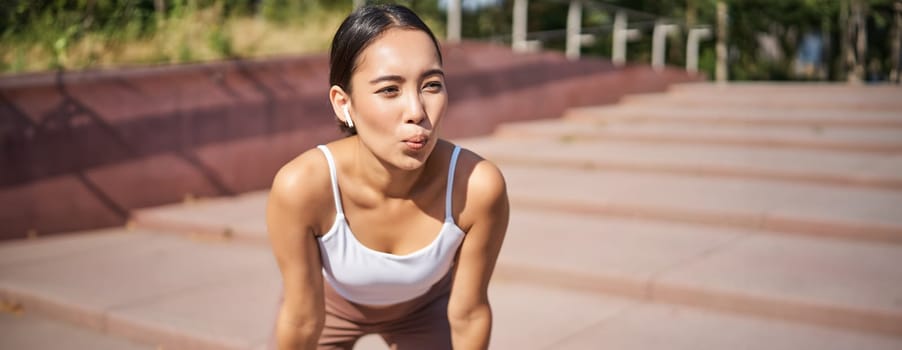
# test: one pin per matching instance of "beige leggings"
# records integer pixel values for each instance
(421, 323)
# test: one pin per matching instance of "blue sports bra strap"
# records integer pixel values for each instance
(334, 175)
(450, 190)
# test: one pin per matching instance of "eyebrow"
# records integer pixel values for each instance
(399, 78)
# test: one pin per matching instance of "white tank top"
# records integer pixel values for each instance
(370, 277)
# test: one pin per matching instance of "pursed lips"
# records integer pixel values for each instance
(416, 142)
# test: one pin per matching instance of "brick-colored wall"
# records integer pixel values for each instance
(80, 150)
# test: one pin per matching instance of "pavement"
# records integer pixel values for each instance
(707, 217)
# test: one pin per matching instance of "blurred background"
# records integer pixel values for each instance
(768, 39)
(683, 174)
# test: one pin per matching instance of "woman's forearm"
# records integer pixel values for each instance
(296, 335)
(472, 329)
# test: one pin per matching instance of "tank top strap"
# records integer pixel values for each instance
(450, 189)
(333, 173)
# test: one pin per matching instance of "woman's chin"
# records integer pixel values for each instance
(414, 160)
(409, 163)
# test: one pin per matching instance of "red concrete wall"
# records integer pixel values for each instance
(81, 150)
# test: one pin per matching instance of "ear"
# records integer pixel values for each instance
(339, 99)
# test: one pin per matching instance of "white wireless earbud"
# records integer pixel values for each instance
(348, 120)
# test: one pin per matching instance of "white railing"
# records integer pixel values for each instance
(621, 30)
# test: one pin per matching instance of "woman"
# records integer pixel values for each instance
(390, 230)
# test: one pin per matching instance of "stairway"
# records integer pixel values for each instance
(708, 217)
(752, 209)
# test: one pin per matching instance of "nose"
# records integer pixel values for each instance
(416, 110)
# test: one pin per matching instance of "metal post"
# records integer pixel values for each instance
(621, 36)
(695, 35)
(659, 44)
(844, 44)
(895, 74)
(453, 35)
(859, 18)
(574, 24)
(618, 52)
(861, 45)
(824, 69)
(518, 41)
(721, 69)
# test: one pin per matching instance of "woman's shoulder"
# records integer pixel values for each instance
(480, 174)
(482, 186)
(303, 182)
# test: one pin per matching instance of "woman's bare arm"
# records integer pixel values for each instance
(291, 218)
(487, 209)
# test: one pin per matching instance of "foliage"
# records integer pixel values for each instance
(785, 21)
(77, 34)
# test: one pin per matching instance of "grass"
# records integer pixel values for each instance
(192, 36)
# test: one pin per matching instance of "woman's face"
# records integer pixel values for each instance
(398, 97)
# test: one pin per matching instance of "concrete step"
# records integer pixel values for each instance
(630, 257)
(201, 295)
(760, 115)
(885, 98)
(826, 93)
(655, 326)
(674, 132)
(26, 331)
(146, 286)
(755, 89)
(807, 209)
(530, 316)
(848, 284)
(849, 212)
(850, 103)
(236, 218)
(842, 169)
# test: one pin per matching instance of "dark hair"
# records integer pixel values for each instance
(359, 30)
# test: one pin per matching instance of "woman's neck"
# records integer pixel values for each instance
(384, 179)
